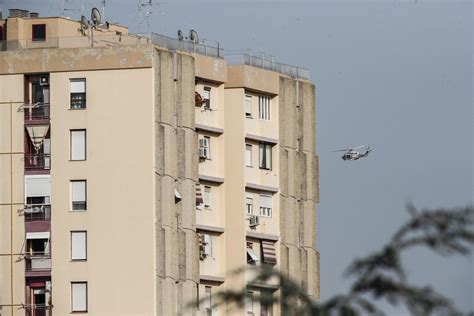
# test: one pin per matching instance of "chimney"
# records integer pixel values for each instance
(18, 13)
(34, 15)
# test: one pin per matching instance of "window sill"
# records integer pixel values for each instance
(249, 117)
(248, 166)
(77, 159)
(75, 109)
(78, 260)
(77, 211)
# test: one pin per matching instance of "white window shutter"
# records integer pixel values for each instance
(78, 189)
(78, 245)
(266, 201)
(79, 297)
(78, 145)
(78, 85)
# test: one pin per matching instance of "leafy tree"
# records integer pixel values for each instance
(381, 275)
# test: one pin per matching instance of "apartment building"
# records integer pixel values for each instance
(137, 174)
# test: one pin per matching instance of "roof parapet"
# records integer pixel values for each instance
(202, 48)
(265, 61)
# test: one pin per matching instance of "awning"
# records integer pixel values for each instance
(37, 134)
(41, 235)
(252, 254)
(199, 199)
(268, 250)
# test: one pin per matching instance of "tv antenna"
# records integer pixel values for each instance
(145, 11)
(64, 3)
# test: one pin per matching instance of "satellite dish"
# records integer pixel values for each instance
(180, 35)
(84, 23)
(95, 17)
(193, 36)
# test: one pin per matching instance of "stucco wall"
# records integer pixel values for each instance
(299, 184)
(12, 227)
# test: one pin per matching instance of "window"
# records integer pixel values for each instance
(252, 257)
(249, 302)
(205, 147)
(249, 204)
(266, 303)
(78, 246)
(78, 195)
(265, 156)
(207, 197)
(266, 205)
(208, 300)
(248, 155)
(38, 32)
(78, 144)
(79, 296)
(248, 106)
(78, 93)
(264, 107)
(1, 33)
(207, 97)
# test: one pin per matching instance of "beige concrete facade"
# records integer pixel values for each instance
(191, 168)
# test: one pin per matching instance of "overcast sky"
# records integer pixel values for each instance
(393, 74)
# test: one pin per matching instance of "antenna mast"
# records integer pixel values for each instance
(145, 10)
(103, 10)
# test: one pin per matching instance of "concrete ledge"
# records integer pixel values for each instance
(261, 285)
(261, 187)
(207, 228)
(262, 236)
(211, 179)
(210, 129)
(211, 279)
(264, 139)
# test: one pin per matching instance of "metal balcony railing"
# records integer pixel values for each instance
(37, 212)
(37, 261)
(38, 310)
(202, 48)
(37, 111)
(37, 162)
(265, 61)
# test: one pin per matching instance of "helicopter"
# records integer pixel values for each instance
(352, 154)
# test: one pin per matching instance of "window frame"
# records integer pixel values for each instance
(248, 106)
(207, 304)
(83, 100)
(85, 245)
(71, 184)
(207, 101)
(86, 297)
(267, 151)
(248, 155)
(249, 210)
(264, 107)
(207, 144)
(35, 28)
(71, 131)
(265, 211)
(207, 197)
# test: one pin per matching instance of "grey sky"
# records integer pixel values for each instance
(394, 74)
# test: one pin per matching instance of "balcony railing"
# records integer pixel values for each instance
(38, 111)
(261, 60)
(37, 162)
(38, 261)
(202, 48)
(38, 310)
(37, 212)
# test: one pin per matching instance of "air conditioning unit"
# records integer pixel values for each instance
(254, 221)
(44, 80)
(202, 152)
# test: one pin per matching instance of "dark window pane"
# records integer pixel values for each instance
(39, 32)
(78, 100)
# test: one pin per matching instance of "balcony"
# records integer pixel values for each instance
(36, 112)
(37, 212)
(35, 162)
(38, 261)
(38, 310)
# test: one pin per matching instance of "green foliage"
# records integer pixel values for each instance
(381, 275)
